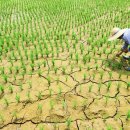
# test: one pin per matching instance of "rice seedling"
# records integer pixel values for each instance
(50, 92)
(64, 105)
(10, 89)
(28, 96)
(85, 76)
(108, 86)
(59, 91)
(39, 108)
(1, 89)
(21, 87)
(49, 80)
(106, 99)
(17, 97)
(128, 115)
(41, 127)
(6, 102)
(15, 114)
(90, 88)
(75, 104)
(128, 85)
(39, 96)
(51, 104)
(1, 118)
(68, 123)
(109, 127)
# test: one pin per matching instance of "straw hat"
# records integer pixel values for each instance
(116, 33)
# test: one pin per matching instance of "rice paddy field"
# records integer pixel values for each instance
(57, 69)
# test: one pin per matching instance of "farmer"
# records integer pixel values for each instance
(122, 34)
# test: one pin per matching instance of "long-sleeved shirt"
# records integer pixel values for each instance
(126, 39)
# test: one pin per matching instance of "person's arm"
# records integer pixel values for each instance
(123, 49)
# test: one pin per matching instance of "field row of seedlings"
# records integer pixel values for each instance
(58, 71)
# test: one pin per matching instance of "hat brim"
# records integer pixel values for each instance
(117, 35)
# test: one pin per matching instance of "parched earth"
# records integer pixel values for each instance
(75, 81)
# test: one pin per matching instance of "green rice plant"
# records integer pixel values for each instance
(80, 68)
(15, 114)
(32, 66)
(110, 75)
(11, 89)
(109, 127)
(28, 96)
(41, 128)
(108, 86)
(39, 73)
(55, 69)
(99, 87)
(80, 88)
(53, 62)
(6, 102)
(101, 74)
(5, 78)
(57, 80)
(85, 76)
(118, 87)
(90, 88)
(72, 67)
(14, 77)
(30, 84)
(59, 91)
(128, 85)
(50, 92)
(120, 75)
(128, 115)
(68, 123)
(17, 97)
(71, 55)
(74, 104)
(44, 63)
(77, 57)
(1, 89)
(63, 69)
(84, 59)
(2, 118)
(51, 104)
(107, 99)
(39, 108)
(66, 78)
(21, 87)
(39, 95)
(64, 105)
(97, 66)
(48, 80)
